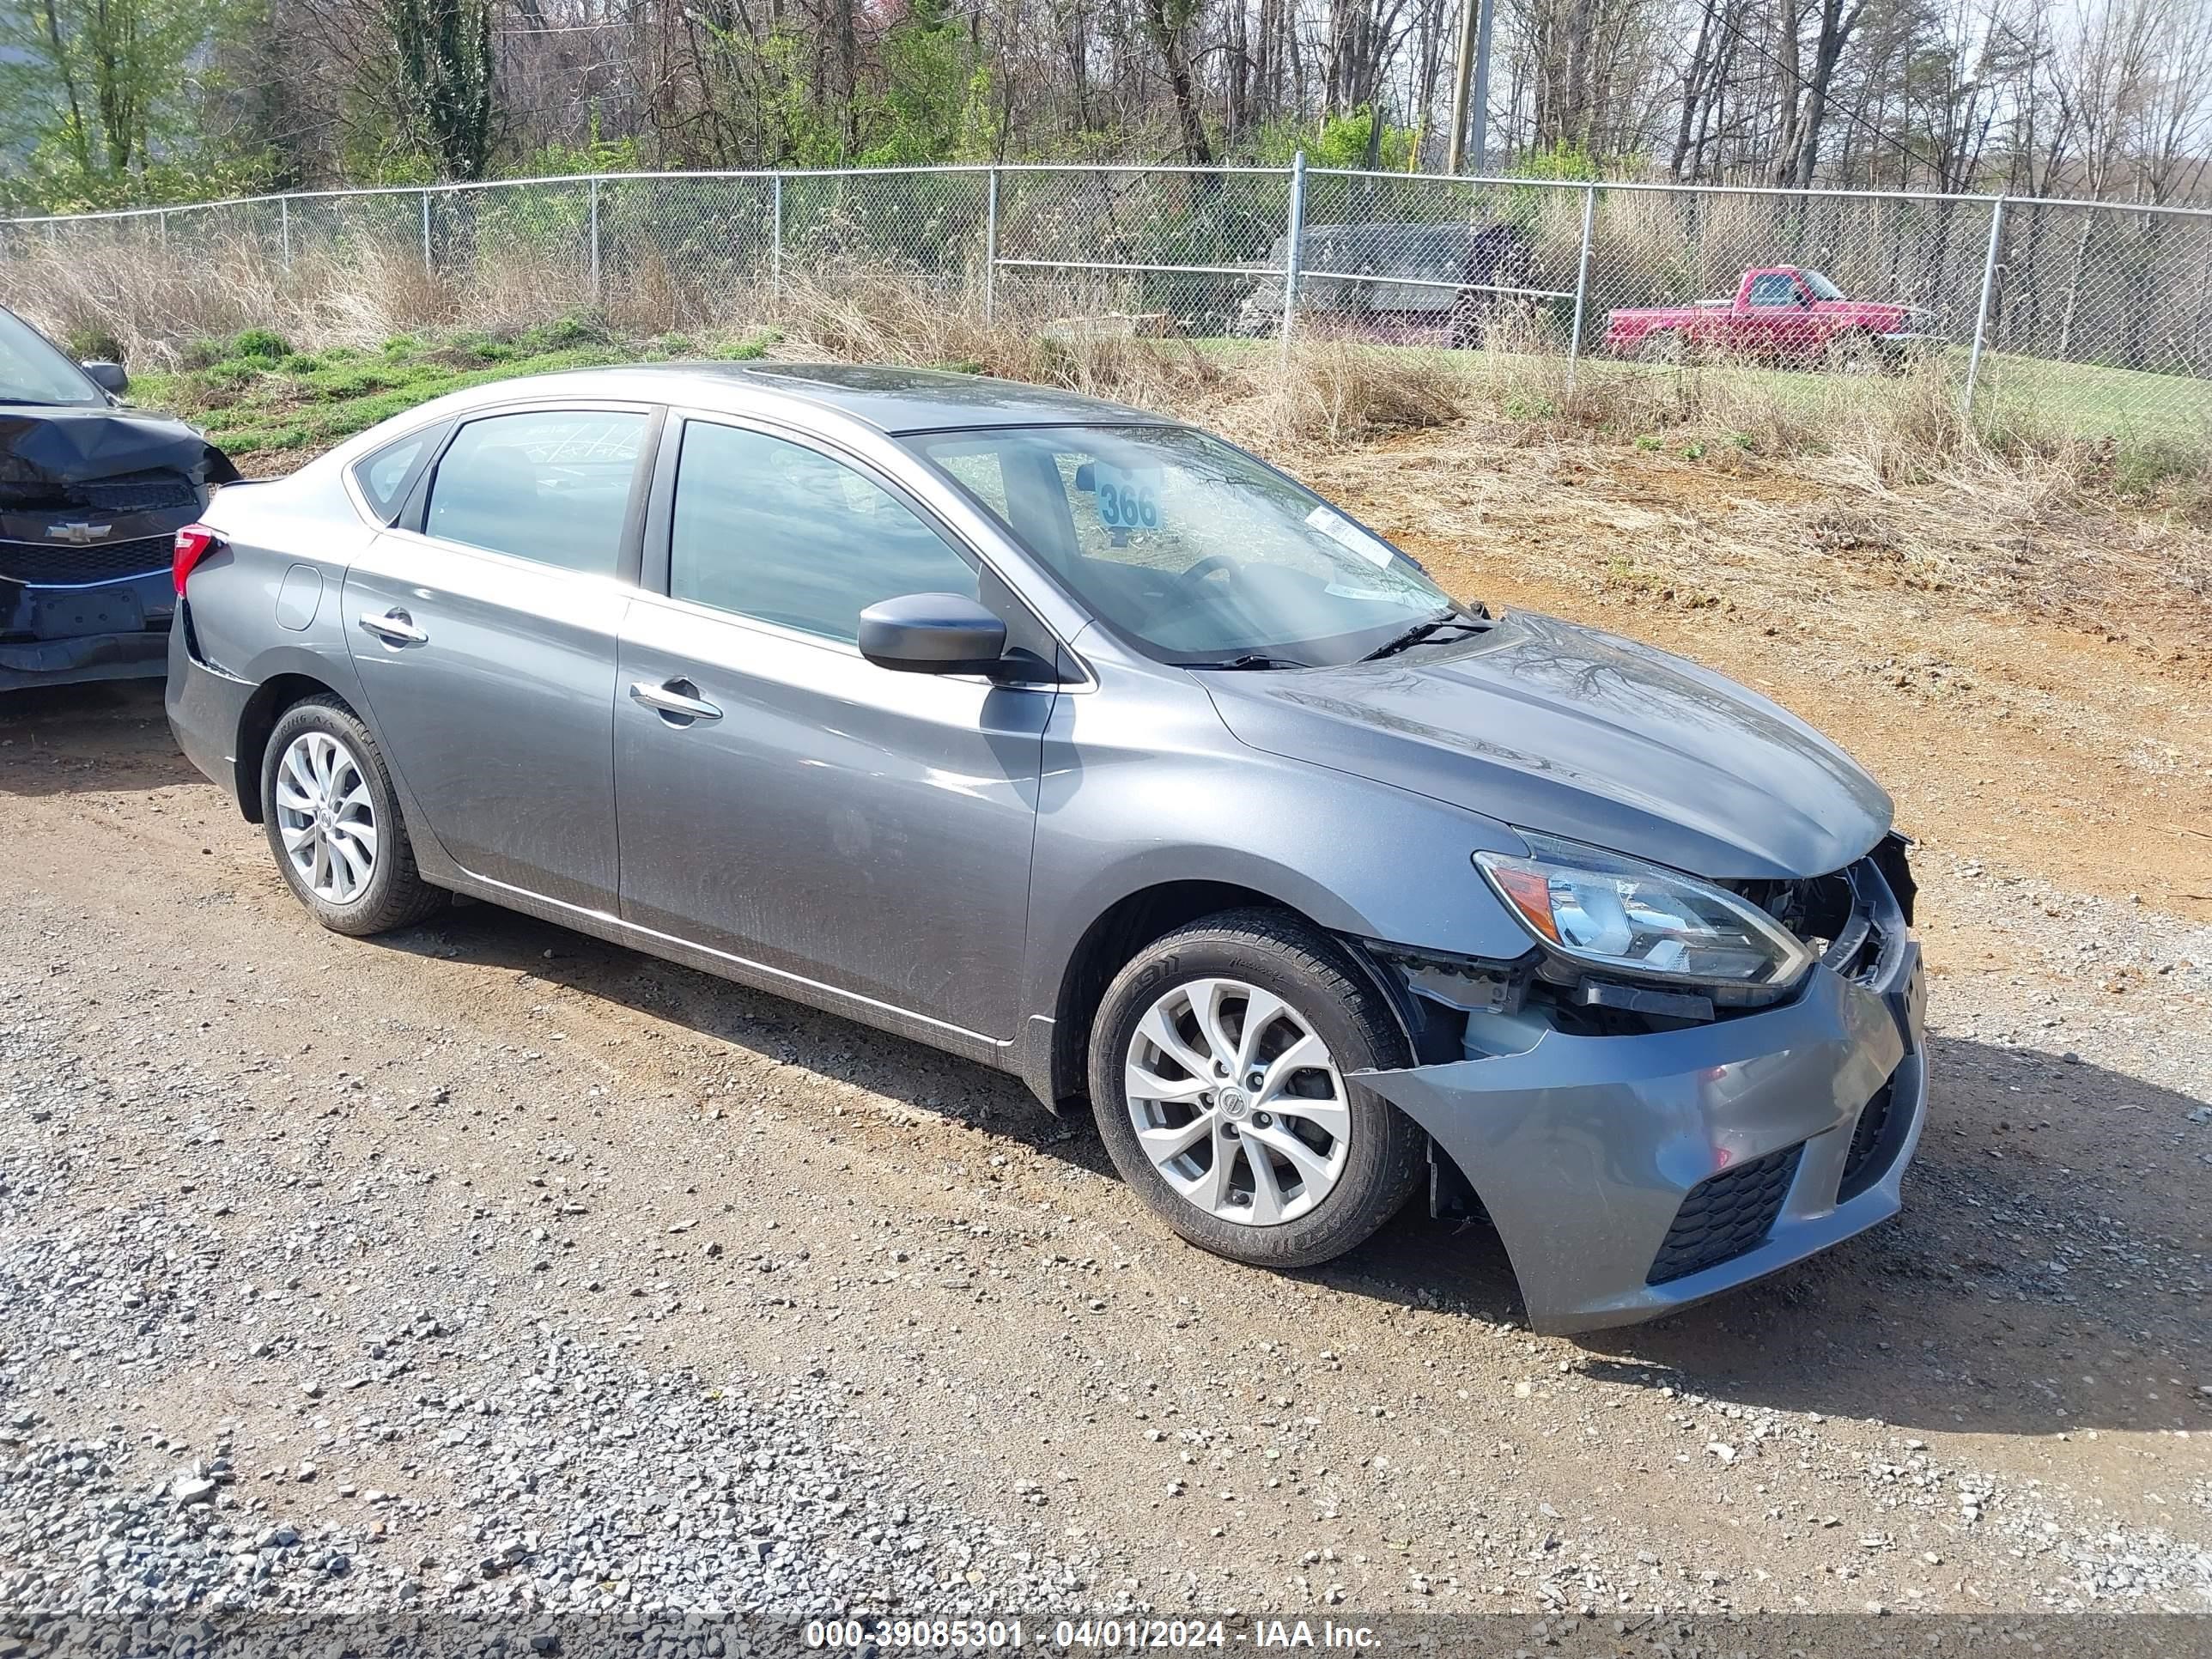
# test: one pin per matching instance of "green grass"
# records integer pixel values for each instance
(253, 395)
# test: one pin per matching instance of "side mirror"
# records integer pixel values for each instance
(932, 633)
(110, 378)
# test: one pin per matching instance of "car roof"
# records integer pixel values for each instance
(892, 400)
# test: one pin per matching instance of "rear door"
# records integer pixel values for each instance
(483, 627)
(785, 800)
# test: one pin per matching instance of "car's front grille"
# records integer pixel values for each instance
(1726, 1216)
(150, 490)
(70, 564)
(138, 492)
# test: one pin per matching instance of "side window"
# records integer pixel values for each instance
(781, 533)
(1774, 288)
(382, 475)
(552, 486)
(980, 471)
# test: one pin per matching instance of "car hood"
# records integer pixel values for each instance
(1882, 311)
(43, 449)
(1552, 727)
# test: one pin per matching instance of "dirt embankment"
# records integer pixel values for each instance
(2031, 679)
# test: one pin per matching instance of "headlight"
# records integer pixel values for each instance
(1614, 913)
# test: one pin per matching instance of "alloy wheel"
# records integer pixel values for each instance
(325, 816)
(1238, 1101)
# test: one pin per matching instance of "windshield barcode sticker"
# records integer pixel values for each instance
(1341, 530)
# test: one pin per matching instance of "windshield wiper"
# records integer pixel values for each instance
(1417, 633)
(1250, 659)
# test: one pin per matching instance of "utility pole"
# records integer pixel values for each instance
(1462, 68)
(1482, 106)
(1473, 64)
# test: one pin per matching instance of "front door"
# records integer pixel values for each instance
(786, 801)
(485, 639)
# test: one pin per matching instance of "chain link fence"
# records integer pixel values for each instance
(2095, 318)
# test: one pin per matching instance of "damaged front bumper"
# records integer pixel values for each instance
(1629, 1176)
(102, 631)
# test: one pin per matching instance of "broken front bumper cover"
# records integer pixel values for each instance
(26, 663)
(1584, 1149)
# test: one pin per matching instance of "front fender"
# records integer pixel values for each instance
(1143, 785)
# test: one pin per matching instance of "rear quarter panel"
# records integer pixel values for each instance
(267, 602)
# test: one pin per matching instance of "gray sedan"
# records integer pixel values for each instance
(1077, 741)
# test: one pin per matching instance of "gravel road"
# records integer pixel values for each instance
(490, 1268)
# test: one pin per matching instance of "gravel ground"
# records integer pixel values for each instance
(491, 1271)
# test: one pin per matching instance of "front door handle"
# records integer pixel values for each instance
(675, 704)
(395, 627)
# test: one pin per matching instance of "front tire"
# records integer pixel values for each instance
(333, 823)
(1855, 354)
(1222, 1067)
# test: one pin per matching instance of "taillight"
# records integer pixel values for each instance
(194, 542)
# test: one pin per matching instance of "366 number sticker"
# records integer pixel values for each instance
(1127, 501)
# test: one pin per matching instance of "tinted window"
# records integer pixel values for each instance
(1775, 288)
(782, 533)
(551, 486)
(381, 475)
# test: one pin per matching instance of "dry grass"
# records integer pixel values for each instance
(153, 310)
(1337, 394)
(883, 316)
(1868, 483)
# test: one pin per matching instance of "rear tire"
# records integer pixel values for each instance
(1277, 1165)
(1663, 346)
(333, 823)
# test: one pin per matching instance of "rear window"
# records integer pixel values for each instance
(383, 475)
(551, 486)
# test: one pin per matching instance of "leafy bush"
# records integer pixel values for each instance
(260, 344)
(92, 343)
(571, 328)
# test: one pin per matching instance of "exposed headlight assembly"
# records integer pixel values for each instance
(1619, 916)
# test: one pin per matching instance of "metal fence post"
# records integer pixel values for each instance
(775, 239)
(991, 247)
(161, 221)
(284, 227)
(1582, 281)
(428, 268)
(1294, 249)
(1981, 314)
(595, 241)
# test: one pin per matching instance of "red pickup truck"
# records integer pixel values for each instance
(1786, 314)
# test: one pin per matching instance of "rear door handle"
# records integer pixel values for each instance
(395, 627)
(677, 705)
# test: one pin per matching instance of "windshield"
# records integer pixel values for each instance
(1189, 548)
(33, 372)
(1821, 287)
